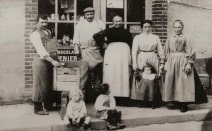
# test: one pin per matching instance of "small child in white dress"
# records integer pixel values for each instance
(76, 112)
(105, 106)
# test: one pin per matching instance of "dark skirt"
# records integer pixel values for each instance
(145, 90)
(200, 94)
(42, 80)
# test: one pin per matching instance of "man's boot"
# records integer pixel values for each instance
(120, 125)
(39, 109)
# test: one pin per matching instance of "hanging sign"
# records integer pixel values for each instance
(67, 54)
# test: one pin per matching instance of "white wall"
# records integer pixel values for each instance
(197, 18)
(12, 22)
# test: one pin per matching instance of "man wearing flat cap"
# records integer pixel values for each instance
(86, 46)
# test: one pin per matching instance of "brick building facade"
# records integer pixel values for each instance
(156, 10)
(159, 17)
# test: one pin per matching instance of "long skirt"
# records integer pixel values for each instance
(42, 80)
(143, 89)
(116, 68)
(178, 85)
(146, 89)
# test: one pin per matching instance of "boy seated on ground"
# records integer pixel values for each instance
(105, 106)
(76, 112)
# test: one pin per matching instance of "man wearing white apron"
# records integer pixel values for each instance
(84, 44)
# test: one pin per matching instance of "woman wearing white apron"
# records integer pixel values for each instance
(117, 58)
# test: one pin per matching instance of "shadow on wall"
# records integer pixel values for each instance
(207, 124)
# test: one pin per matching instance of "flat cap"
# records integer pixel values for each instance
(88, 9)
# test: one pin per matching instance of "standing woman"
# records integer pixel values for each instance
(182, 84)
(146, 50)
(116, 59)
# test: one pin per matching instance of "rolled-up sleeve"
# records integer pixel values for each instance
(37, 43)
(76, 37)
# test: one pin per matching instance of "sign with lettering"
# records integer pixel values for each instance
(66, 53)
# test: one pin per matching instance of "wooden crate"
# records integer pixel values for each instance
(66, 78)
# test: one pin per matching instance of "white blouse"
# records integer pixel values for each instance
(35, 39)
(146, 42)
(101, 99)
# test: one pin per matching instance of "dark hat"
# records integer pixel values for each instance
(88, 9)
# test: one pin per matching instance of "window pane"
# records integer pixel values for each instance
(114, 8)
(110, 12)
(135, 10)
(65, 29)
(82, 4)
(46, 7)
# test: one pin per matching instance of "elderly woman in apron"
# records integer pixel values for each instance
(182, 84)
(116, 59)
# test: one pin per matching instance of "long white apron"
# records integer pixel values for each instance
(116, 68)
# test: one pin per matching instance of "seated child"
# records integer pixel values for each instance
(105, 106)
(76, 113)
(146, 87)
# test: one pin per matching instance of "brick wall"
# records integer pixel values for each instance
(31, 11)
(159, 18)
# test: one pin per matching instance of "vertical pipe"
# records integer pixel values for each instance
(125, 14)
(56, 19)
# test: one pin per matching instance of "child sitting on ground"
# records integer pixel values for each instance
(76, 113)
(105, 106)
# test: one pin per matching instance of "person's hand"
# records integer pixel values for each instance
(188, 68)
(55, 63)
(76, 49)
(105, 45)
(161, 68)
(74, 121)
(66, 120)
(78, 120)
(135, 67)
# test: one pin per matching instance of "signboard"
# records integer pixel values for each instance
(66, 53)
(115, 4)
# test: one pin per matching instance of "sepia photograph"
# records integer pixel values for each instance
(98, 65)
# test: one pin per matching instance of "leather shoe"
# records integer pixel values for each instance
(42, 113)
(183, 108)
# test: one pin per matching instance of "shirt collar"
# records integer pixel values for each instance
(178, 35)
